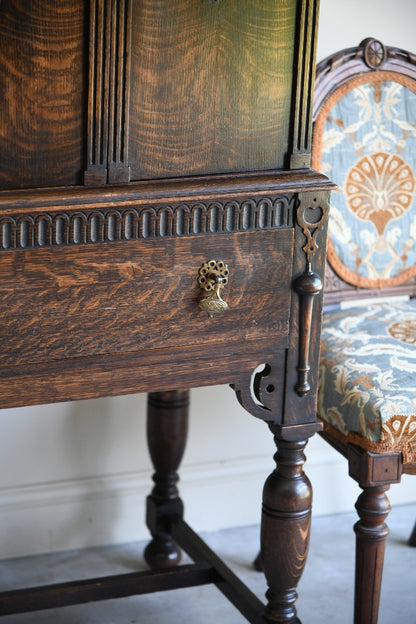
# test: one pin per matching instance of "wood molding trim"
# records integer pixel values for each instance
(109, 90)
(81, 225)
(303, 92)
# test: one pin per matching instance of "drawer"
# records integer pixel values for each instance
(119, 298)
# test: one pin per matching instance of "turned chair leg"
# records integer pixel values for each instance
(371, 531)
(167, 427)
(286, 518)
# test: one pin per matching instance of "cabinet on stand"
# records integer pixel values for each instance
(161, 229)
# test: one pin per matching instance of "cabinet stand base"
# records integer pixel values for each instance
(206, 569)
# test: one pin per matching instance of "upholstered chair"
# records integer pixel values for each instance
(364, 139)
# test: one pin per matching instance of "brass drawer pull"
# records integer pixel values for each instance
(212, 278)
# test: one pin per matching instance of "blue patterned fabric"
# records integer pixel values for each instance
(367, 386)
(367, 144)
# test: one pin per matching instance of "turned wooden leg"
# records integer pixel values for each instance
(286, 517)
(167, 427)
(371, 531)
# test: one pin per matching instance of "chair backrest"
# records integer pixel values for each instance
(364, 139)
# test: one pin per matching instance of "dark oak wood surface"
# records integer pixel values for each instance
(42, 82)
(59, 304)
(221, 115)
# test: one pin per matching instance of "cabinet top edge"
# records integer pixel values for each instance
(175, 189)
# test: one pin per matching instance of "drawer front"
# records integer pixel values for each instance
(126, 297)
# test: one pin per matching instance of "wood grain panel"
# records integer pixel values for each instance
(129, 373)
(211, 86)
(73, 302)
(42, 61)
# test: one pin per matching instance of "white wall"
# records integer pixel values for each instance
(345, 23)
(77, 474)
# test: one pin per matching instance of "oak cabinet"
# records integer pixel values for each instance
(155, 155)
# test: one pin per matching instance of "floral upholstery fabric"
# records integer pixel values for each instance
(367, 386)
(365, 141)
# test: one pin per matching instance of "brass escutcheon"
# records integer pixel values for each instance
(212, 277)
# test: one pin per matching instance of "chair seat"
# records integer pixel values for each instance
(367, 392)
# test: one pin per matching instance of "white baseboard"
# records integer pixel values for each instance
(111, 509)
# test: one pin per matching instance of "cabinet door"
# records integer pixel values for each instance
(210, 86)
(43, 100)
(197, 87)
(112, 91)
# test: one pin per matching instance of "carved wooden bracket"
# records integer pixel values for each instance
(260, 392)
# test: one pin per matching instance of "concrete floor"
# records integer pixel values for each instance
(325, 591)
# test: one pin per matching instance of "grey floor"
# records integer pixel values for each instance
(325, 592)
